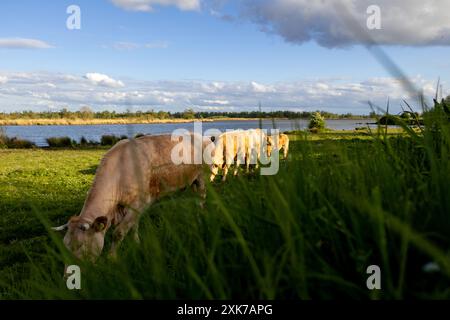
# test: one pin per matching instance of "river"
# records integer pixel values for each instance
(39, 134)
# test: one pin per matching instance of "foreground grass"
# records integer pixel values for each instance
(51, 182)
(335, 207)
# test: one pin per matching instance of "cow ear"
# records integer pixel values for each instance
(100, 224)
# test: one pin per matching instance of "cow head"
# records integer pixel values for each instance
(273, 143)
(216, 160)
(210, 154)
(85, 240)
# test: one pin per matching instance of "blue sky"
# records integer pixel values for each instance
(216, 55)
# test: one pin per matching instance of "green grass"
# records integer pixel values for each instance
(338, 205)
(52, 183)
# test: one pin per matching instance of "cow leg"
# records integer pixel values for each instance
(238, 163)
(225, 172)
(201, 189)
(257, 157)
(135, 230)
(214, 171)
(285, 151)
(247, 161)
(248, 158)
(129, 222)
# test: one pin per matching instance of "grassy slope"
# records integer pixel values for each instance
(308, 232)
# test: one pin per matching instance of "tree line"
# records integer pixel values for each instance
(87, 113)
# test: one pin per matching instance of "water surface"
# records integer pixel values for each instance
(39, 134)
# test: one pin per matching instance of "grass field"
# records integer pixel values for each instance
(341, 202)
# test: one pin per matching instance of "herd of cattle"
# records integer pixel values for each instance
(244, 147)
(135, 173)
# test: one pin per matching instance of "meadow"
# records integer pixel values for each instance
(341, 202)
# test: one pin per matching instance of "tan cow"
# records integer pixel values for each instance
(255, 139)
(131, 176)
(237, 147)
(230, 148)
(282, 143)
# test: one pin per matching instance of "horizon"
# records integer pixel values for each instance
(85, 109)
(224, 56)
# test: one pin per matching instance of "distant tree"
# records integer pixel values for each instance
(316, 121)
(64, 113)
(162, 115)
(86, 112)
(189, 114)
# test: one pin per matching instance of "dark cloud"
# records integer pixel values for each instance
(411, 23)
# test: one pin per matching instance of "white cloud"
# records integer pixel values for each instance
(36, 91)
(22, 43)
(147, 5)
(128, 46)
(157, 45)
(260, 88)
(49, 85)
(3, 79)
(103, 80)
(322, 86)
(412, 23)
(217, 102)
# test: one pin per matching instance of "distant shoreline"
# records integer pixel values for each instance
(124, 121)
(82, 122)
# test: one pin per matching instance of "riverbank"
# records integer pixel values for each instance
(83, 136)
(78, 122)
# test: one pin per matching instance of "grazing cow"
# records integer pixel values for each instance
(283, 143)
(131, 176)
(230, 147)
(239, 147)
(255, 139)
